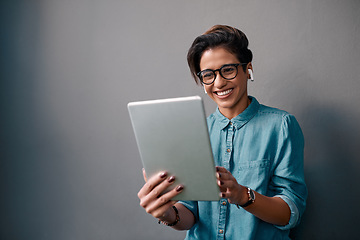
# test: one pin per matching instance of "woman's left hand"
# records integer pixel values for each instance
(229, 187)
(273, 210)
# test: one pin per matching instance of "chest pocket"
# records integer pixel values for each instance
(254, 174)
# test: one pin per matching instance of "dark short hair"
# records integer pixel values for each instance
(230, 38)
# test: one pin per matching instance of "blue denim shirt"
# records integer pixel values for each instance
(263, 149)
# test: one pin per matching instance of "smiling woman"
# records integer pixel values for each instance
(216, 48)
(258, 151)
(230, 95)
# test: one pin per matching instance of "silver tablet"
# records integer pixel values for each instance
(172, 136)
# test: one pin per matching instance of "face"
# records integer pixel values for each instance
(230, 95)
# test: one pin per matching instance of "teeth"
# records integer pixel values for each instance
(224, 92)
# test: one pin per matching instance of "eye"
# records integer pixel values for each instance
(207, 74)
(228, 69)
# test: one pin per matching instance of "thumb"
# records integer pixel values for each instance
(144, 174)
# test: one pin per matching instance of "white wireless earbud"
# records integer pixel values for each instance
(205, 90)
(251, 74)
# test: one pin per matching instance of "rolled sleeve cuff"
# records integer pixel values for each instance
(294, 217)
(191, 206)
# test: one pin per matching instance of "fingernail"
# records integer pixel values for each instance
(179, 188)
(171, 179)
(163, 174)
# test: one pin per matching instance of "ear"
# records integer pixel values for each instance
(250, 72)
(251, 76)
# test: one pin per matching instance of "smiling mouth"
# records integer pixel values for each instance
(223, 93)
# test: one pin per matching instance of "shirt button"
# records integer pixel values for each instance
(228, 150)
(221, 231)
(223, 203)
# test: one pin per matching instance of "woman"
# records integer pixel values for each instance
(258, 151)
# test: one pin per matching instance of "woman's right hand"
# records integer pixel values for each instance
(157, 204)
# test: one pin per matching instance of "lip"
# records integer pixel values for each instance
(224, 96)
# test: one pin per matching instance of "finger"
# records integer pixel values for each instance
(160, 189)
(144, 174)
(164, 199)
(223, 189)
(233, 193)
(228, 184)
(226, 193)
(156, 192)
(151, 184)
(221, 172)
(221, 183)
(160, 212)
(224, 176)
(221, 169)
(223, 195)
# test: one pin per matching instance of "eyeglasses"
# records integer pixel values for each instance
(227, 71)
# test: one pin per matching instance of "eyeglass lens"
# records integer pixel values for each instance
(228, 72)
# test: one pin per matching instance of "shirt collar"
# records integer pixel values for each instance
(241, 119)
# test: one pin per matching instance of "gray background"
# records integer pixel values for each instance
(70, 168)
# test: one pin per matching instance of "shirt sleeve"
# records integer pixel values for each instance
(192, 206)
(294, 217)
(288, 180)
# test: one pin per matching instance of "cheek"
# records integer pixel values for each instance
(241, 83)
(207, 89)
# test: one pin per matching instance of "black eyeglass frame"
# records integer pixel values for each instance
(219, 70)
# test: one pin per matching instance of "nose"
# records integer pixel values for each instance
(219, 81)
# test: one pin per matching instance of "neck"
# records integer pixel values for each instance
(231, 113)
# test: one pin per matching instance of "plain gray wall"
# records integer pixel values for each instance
(70, 167)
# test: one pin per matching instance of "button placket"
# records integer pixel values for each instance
(222, 219)
(226, 164)
(229, 145)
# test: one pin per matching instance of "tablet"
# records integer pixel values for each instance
(172, 136)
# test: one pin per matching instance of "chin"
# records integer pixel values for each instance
(227, 104)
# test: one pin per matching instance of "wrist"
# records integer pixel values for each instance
(243, 195)
(248, 199)
(174, 222)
